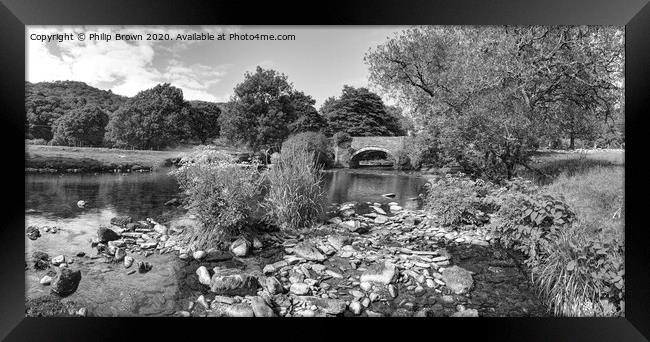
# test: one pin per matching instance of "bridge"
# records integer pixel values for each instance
(361, 146)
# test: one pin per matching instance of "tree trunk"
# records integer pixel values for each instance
(572, 141)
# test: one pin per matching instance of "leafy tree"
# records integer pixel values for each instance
(45, 102)
(360, 112)
(203, 120)
(262, 110)
(152, 119)
(81, 127)
(493, 91)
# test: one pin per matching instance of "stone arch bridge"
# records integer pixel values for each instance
(359, 146)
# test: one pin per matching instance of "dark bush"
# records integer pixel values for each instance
(313, 142)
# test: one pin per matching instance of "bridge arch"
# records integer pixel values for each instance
(355, 157)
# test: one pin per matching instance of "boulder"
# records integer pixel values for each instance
(120, 253)
(457, 279)
(198, 255)
(58, 260)
(381, 272)
(381, 219)
(33, 233)
(308, 250)
(65, 282)
(41, 260)
(46, 280)
(233, 283)
(144, 267)
(240, 247)
(260, 308)
(338, 241)
(356, 226)
(128, 261)
(257, 244)
(299, 289)
(105, 234)
(121, 221)
(204, 275)
(328, 305)
(466, 313)
(273, 285)
(239, 310)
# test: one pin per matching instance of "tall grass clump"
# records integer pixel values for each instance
(222, 194)
(295, 198)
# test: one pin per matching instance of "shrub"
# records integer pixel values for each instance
(341, 138)
(401, 160)
(295, 198)
(222, 194)
(312, 142)
(457, 200)
(422, 149)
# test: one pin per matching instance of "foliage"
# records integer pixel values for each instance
(222, 194)
(39, 141)
(151, 119)
(316, 143)
(309, 121)
(423, 148)
(494, 91)
(295, 197)
(203, 120)
(262, 109)
(45, 102)
(457, 200)
(82, 126)
(401, 160)
(360, 112)
(341, 138)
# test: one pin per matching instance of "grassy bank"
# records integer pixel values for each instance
(100, 159)
(549, 165)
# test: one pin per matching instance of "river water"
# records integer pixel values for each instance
(109, 291)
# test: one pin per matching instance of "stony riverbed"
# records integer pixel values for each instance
(368, 259)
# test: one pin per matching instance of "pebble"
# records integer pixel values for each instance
(198, 255)
(46, 280)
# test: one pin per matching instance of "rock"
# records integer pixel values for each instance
(378, 210)
(355, 226)
(457, 279)
(365, 286)
(160, 229)
(388, 195)
(466, 313)
(233, 283)
(198, 255)
(105, 234)
(148, 245)
(273, 285)
(81, 254)
(412, 221)
(380, 272)
(299, 289)
(392, 290)
(46, 280)
(183, 256)
(128, 261)
(81, 204)
(40, 260)
(83, 312)
(58, 260)
(260, 308)
(268, 269)
(338, 241)
(355, 307)
(117, 243)
(121, 221)
(215, 255)
(240, 310)
(240, 247)
(33, 233)
(395, 208)
(204, 275)
(144, 267)
(65, 282)
(120, 253)
(381, 219)
(328, 305)
(257, 244)
(308, 250)
(201, 300)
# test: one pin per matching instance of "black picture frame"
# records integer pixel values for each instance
(16, 14)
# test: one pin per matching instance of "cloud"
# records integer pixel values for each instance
(124, 67)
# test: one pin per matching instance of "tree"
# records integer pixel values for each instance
(45, 102)
(152, 119)
(81, 127)
(493, 91)
(203, 120)
(262, 110)
(359, 112)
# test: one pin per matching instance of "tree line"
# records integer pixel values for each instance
(264, 111)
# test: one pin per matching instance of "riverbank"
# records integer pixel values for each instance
(368, 259)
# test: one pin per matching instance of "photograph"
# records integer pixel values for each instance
(324, 171)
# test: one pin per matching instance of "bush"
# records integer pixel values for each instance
(295, 198)
(457, 200)
(422, 149)
(312, 142)
(401, 160)
(341, 138)
(222, 194)
(38, 141)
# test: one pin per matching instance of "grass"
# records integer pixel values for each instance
(101, 158)
(551, 164)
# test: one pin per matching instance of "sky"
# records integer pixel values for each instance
(318, 62)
